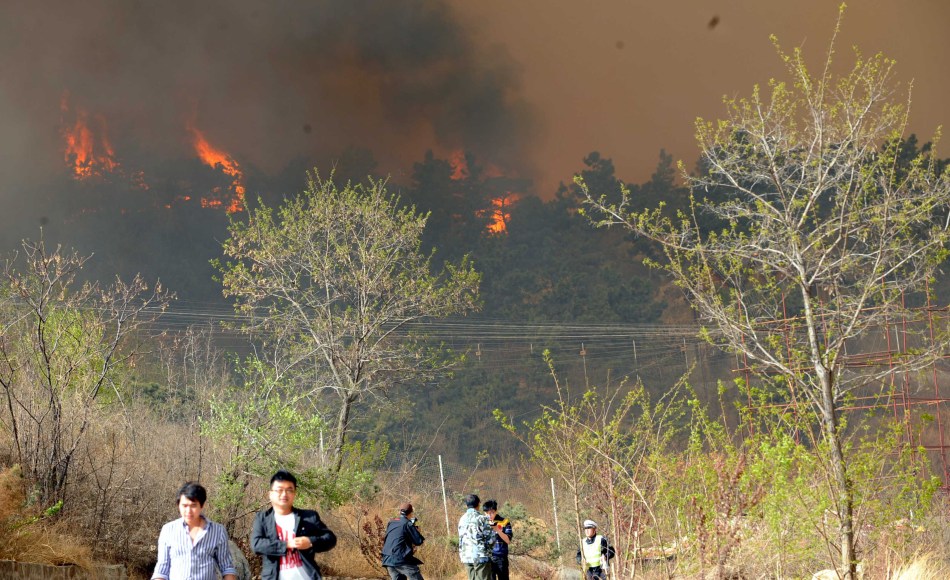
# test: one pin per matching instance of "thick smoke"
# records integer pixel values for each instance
(266, 81)
(279, 85)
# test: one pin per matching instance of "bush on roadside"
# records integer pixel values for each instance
(29, 533)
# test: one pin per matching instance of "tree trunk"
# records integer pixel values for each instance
(845, 501)
(578, 531)
(342, 427)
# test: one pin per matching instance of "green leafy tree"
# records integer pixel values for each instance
(556, 442)
(332, 280)
(265, 423)
(262, 425)
(819, 209)
(551, 266)
(603, 446)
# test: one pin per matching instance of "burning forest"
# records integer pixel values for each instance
(171, 117)
(352, 237)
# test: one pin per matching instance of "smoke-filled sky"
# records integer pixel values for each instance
(626, 77)
(530, 86)
(264, 81)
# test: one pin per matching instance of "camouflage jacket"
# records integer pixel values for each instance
(476, 537)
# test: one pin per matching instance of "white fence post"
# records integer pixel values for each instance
(445, 504)
(557, 528)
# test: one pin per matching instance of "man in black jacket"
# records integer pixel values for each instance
(503, 534)
(287, 537)
(402, 537)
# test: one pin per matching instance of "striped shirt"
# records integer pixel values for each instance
(181, 559)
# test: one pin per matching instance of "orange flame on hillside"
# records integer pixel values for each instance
(499, 213)
(88, 152)
(214, 157)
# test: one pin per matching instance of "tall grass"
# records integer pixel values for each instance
(28, 534)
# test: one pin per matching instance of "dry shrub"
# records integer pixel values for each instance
(128, 469)
(925, 567)
(131, 466)
(359, 535)
(372, 537)
(28, 535)
(359, 526)
(527, 567)
(909, 549)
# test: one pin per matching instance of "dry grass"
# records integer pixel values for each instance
(26, 536)
(133, 477)
(439, 553)
(348, 523)
(925, 567)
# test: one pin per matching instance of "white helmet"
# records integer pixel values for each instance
(589, 524)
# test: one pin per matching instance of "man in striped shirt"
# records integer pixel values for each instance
(193, 547)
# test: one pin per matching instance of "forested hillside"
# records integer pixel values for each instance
(549, 281)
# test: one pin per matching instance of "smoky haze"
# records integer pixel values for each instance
(267, 82)
(627, 77)
(529, 87)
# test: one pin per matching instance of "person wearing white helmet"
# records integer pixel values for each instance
(595, 553)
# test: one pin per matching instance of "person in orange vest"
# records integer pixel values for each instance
(595, 553)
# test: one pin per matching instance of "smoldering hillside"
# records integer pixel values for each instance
(279, 86)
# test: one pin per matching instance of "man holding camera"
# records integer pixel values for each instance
(402, 538)
(503, 534)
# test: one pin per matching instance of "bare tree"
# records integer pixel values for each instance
(332, 280)
(194, 370)
(64, 350)
(806, 230)
(558, 442)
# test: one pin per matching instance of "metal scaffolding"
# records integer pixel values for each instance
(919, 399)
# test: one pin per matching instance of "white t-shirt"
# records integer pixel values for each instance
(291, 563)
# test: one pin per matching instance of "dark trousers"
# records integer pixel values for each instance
(404, 571)
(499, 567)
(596, 573)
(479, 571)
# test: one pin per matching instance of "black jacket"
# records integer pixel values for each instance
(402, 536)
(264, 541)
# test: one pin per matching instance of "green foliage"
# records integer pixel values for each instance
(46, 514)
(532, 537)
(331, 279)
(263, 427)
(265, 423)
(758, 496)
(355, 481)
(608, 447)
(771, 226)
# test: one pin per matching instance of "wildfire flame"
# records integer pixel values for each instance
(499, 214)
(88, 152)
(214, 157)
